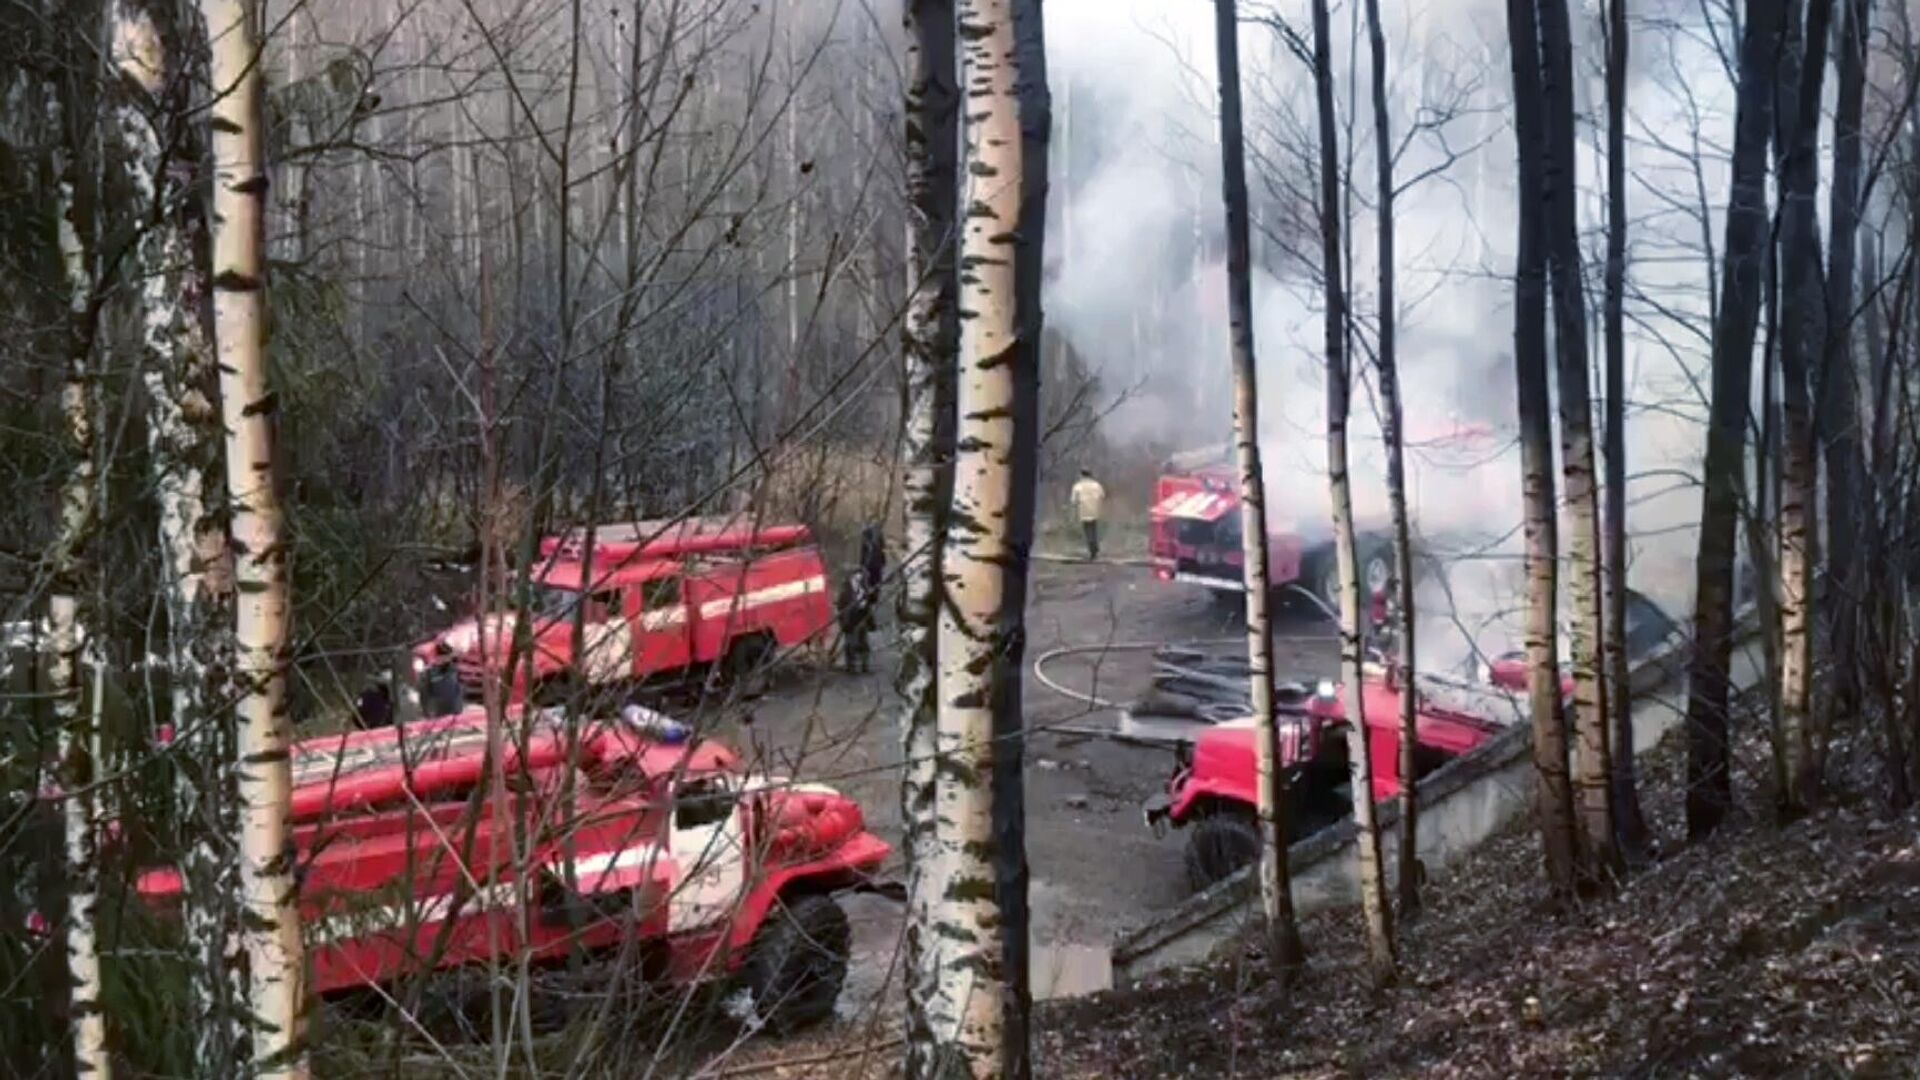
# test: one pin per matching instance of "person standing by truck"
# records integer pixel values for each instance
(856, 621)
(873, 557)
(1089, 499)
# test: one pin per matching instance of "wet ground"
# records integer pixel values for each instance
(1096, 869)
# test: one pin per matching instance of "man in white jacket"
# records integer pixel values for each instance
(1089, 499)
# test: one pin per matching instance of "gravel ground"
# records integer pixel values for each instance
(1096, 868)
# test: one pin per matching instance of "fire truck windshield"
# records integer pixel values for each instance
(551, 602)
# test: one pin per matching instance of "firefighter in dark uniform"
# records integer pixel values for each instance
(855, 602)
(873, 557)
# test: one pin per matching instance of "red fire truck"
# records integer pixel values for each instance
(660, 598)
(626, 837)
(1196, 516)
(1196, 536)
(1213, 787)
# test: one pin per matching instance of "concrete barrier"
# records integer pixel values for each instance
(1461, 805)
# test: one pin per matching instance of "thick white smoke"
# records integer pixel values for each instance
(1138, 283)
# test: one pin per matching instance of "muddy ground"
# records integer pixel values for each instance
(1096, 868)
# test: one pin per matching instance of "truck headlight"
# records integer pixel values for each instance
(1324, 689)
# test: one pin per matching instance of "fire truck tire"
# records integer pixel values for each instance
(798, 962)
(1221, 843)
(746, 660)
(1376, 567)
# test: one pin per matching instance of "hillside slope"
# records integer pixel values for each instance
(1765, 951)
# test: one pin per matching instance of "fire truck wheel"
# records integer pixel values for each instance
(745, 664)
(798, 963)
(1221, 843)
(1376, 568)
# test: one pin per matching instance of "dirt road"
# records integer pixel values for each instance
(1096, 868)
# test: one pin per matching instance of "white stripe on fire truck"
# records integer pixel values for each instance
(665, 617)
(623, 859)
(367, 921)
(758, 598)
(1193, 504)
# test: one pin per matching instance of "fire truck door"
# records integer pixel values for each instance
(708, 845)
(664, 630)
(608, 641)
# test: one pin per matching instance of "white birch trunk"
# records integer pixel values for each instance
(1553, 794)
(183, 438)
(1802, 333)
(1373, 886)
(263, 631)
(1394, 422)
(928, 350)
(965, 918)
(1284, 950)
(1593, 782)
(68, 640)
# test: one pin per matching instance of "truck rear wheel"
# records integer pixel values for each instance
(1376, 569)
(798, 963)
(1221, 843)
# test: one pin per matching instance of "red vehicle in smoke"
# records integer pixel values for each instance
(659, 597)
(1195, 537)
(627, 836)
(1196, 519)
(1212, 791)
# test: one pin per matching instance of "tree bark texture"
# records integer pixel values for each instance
(1851, 498)
(1593, 780)
(1630, 824)
(929, 342)
(1284, 951)
(1553, 794)
(263, 622)
(1395, 433)
(966, 924)
(1009, 777)
(1802, 318)
(1373, 887)
(1709, 779)
(184, 436)
(74, 575)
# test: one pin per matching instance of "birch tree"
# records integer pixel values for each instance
(1631, 826)
(1284, 951)
(183, 440)
(972, 986)
(73, 575)
(1394, 425)
(1553, 794)
(263, 632)
(1373, 886)
(1709, 779)
(1593, 781)
(1012, 874)
(928, 345)
(1802, 314)
(1851, 498)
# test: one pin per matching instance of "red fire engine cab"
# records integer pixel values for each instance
(1213, 791)
(621, 837)
(1195, 536)
(659, 598)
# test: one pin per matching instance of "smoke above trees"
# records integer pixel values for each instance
(1138, 282)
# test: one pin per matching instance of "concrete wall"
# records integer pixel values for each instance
(1461, 805)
